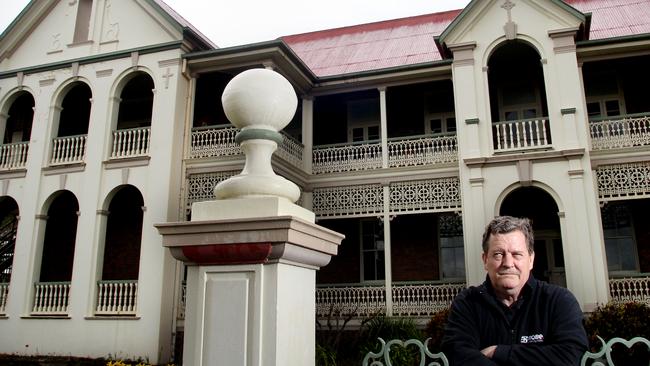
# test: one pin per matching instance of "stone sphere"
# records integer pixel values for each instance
(259, 98)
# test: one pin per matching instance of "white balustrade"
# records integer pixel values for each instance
(423, 299)
(117, 297)
(290, 150)
(520, 135)
(13, 155)
(630, 289)
(214, 141)
(68, 149)
(627, 131)
(4, 292)
(357, 301)
(51, 298)
(408, 299)
(131, 142)
(346, 157)
(422, 151)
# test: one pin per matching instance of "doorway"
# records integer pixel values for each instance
(540, 208)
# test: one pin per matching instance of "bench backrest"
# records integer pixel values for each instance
(382, 358)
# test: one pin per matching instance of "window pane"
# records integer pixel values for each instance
(357, 134)
(612, 108)
(451, 124)
(512, 115)
(435, 125)
(373, 133)
(593, 109)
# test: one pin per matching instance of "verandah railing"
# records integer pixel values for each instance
(346, 157)
(630, 289)
(68, 149)
(423, 299)
(117, 297)
(422, 150)
(131, 142)
(214, 141)
(51, 298)
(531, 133)
(409, 299)
(13, 155)
(620, 132)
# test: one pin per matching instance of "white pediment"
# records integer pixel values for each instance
(49, 32)
(488, 21)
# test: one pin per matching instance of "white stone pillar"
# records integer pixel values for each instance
(388, 266)
(252, 253)
(383, 126)
(307, 133)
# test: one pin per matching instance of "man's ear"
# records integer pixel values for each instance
(532, 259)
(484, 258)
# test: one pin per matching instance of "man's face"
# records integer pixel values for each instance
(508, 263)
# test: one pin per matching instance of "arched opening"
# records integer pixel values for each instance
(75, 111)
(136, 102)
(518, 97)
(8, 228)
(123, 235)
(19, 122)
(59, 240)
(538, 206)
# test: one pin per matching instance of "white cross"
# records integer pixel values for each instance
(167, 75)
(508, 5)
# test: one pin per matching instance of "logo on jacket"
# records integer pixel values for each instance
(535, 338)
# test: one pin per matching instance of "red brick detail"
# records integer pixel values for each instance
(247, 253)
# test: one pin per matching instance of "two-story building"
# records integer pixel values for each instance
(410, 135)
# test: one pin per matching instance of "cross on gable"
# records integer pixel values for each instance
(167, 75)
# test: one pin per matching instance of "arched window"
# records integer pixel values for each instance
(518, 97)
(19, 122)
(75, 111)
(123, 235)
(133, 130)
(8, 228)
(136, 102)
(59, 239)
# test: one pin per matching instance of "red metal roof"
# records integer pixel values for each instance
(615, 18)
(371, 46)
(410, 41)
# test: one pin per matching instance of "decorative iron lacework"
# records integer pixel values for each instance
(623, 180)
(425, 195)
(450, 226)
(200, 187)
(360, 200)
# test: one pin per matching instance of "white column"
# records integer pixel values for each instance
(384, 127)
(388, 269)
(307, 133)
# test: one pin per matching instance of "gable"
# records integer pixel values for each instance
(66, 30)
(489, 20)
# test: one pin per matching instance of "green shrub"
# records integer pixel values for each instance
(325, 356)
(436, 329)
(391, 328)
(626, 321)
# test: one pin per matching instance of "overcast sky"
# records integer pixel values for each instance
(235, 22)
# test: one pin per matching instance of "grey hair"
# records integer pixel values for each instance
(508, 224)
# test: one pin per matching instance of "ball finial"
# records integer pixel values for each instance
(260, 102)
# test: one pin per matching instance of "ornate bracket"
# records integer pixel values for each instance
(606, 350)
(385, 353)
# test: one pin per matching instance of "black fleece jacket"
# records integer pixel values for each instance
(544, 327)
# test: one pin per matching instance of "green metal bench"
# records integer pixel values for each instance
(382, 358)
